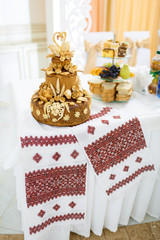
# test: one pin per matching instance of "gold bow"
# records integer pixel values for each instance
(92, 54)
(134, 45)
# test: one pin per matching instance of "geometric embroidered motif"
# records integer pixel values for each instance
(72, 204)
(41, 226)
(139, 160)
(116, 117)
(103, 112)
(112, 176)
(91, 130)
(45, 141)
(46, 184)
(41, 213)
(37, 158)
(129, 179)
(74, 154)
(56, 156)
(56, 207)
(125, 169)
(116, 146)
(105, 121)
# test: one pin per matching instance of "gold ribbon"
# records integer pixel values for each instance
(92, 54)
(134, 45)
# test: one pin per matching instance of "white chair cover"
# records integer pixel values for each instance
(143, 54)
(94, 38)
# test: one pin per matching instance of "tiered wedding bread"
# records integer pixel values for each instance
(60, 100)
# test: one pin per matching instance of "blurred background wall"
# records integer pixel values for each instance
(27, 27)
(22, 39)
(127, 15)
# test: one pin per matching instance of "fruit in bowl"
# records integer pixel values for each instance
(124, 72)
(110, 72)
(97, 70)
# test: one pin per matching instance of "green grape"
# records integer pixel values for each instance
(117, 65)
(109, 65)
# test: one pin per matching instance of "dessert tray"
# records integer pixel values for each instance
(118, 79)
(112, 81)
(121, 58)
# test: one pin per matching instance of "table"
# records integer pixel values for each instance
(141, 199)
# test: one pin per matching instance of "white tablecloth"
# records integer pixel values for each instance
(141, 199)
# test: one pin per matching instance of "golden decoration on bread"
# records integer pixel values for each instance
(61, 56)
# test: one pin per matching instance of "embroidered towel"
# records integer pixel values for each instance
(55, 177)
(115, 146)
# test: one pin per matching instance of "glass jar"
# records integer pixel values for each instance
(155, 71)
(158, 88)
(155, 66)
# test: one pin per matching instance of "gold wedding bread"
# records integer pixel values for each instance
(61, 100)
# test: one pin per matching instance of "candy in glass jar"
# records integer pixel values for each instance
(155, 71)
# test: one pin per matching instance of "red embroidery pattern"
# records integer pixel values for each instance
(139, 160)
(56, 156)
(56, 207)
(72, 204)
(60, 218)
(116, 117)
(129, 179)
(41, 213)
(91, 130)
(45, 141)
(43, 185)
(37, 158)
(116, 146)
(103, 112)
(74, 154)
(126, 168)
(112, 176)
(105, 121)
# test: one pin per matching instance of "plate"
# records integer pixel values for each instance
(98, 97)
(126, 57)
(119, 79)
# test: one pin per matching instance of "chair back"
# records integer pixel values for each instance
(142, 53)
(95, 38)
